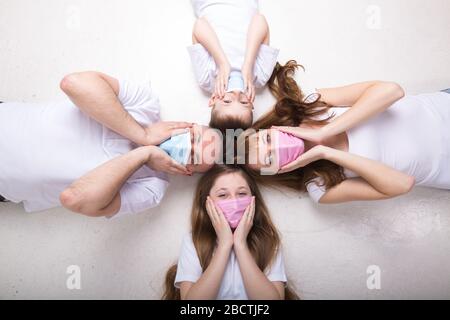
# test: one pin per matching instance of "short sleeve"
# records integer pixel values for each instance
(204, 66)
(316, 190)
(142, 194)
(189, 268)
(276, 272)
(264, 64)
(140, 101)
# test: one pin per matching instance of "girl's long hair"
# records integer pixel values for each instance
(263, 239)
(292, 109)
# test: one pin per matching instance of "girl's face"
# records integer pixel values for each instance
(263, 151)
(230, 186)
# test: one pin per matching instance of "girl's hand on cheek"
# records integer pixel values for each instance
(220, 224)
(316, 135)
(315, 154)
(245, 225)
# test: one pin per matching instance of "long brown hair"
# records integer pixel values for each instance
(263, 239)
(292, 109)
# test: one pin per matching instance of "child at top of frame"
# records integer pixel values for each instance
(231, 57)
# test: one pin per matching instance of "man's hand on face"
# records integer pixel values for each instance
(159, 132)
(159, 160)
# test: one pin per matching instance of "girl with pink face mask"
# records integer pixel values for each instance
(362, 142)
(234, 250)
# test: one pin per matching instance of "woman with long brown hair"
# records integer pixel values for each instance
(234, 250)
(365, 141)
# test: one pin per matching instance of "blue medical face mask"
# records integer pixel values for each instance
(178, 147)
(236, 82)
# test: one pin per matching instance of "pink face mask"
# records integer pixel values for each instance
(234, 209)
(289, 148)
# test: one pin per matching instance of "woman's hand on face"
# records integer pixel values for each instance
(314, 154)
(159, 160)
(316, 135)
(249, 86)
(245, 225)
(159, 132)
(223, 74)
(220, 224)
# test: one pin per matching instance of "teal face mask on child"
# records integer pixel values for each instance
(235, 82)
(178, 147)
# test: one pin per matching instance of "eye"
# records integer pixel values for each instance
(268, 138)
(222, 195)
(227, 101)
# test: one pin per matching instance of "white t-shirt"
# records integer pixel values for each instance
(230, 20)
(45, 147)
(232, 286)
(412, 136)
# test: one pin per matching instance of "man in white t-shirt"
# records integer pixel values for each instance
(108, 136)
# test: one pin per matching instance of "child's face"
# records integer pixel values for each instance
(233, 104)
(264, 152)
(230, 186)
(206, 148)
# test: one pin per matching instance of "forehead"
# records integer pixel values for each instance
(230, 181)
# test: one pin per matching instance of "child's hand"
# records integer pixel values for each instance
(220, 224)
(249, 86)
(245, 225)
(223, 74)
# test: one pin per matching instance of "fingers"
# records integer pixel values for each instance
(177, 132)
(290, 130)
(211, 210)
(251, 93)
(223, 86)
(176, 168)
(300, 162)
(180, 125)
(289, 167)
(246, 222)
(220, 87)
(217, 88)
(250, 89)
(252, 210)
